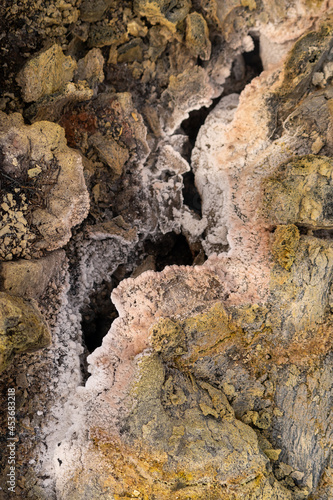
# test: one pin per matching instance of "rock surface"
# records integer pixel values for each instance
(179, 155)
(22, 328)
(44, 193)
(45, 74)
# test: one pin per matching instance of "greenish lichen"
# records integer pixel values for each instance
(168, 338)
(300, 192)
(285, 244)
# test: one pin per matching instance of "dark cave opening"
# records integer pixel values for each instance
(323, 233)
(191, 196)
(196, 119)
(170, 249)
(252, 59)
(246, 66)
(98, 315)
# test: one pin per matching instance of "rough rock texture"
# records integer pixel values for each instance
(45, 74)
(196, 186)
(44, 193)
(22, 328)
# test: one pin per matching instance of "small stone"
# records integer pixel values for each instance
(317, 79)
(45, 73)
(251, 4)
(328, 70)
(137, 28)
(285, 469)
(197, 36)
(262, 420)
(90, 68)
(273, 454)
(162, 11)
(228, 389)
(289, 482)
(297, 475)
(33, 172)
(93, 11)
(317, 145)
(5, 230)
(109, 151)
(101, 36)
(131, 51)
(207, 410)
(30, 279)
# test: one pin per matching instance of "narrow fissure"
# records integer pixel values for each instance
(98, 315)
(323, 234)
(191, 196)
(246, 66)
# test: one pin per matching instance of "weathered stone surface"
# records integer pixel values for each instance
(302, 193)
(45, 74)
(22, 328)
(39, 207)
(110, 152)
(163, 12)
(90, 68)
(253, 320)
(215, 380)
(115, 228)
(188, 91)
(93, 12)
(197, 36)
(30, 278)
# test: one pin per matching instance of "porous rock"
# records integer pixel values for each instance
(22, 328)
(45, 73)
(163, 12)
(215, 380)
(197, 35)
(187, 91)
(255, 317)
(56, 198)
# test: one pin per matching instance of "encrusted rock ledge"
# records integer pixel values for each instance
(215, 378)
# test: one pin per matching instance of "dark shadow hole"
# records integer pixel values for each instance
(323, 234)
(98, 315)
(245, 67)
(191, 196)
(252, 59)
(171, 249)
(196, 119)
